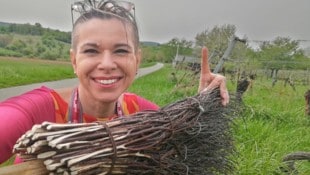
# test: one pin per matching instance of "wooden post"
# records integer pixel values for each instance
(290, 159)
(227, 52)
(307, 98)
(308, 77)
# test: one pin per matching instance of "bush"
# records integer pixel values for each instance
(11, 53)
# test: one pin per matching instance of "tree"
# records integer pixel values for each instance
(279, 53)
(215, 39)
(5, 40)
(17, 45)
(184, 46)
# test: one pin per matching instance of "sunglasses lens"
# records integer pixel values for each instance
(126, 5)
(80, 7)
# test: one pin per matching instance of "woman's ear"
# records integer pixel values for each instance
(73, 59)
(138, 57)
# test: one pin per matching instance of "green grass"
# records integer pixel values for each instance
(148, 64)
(158, 87)
(20, 71)
(148, 88)
(273, 125)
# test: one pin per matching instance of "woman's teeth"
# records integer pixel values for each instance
(106, 82)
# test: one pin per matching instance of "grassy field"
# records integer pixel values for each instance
(272, 124)
(20, 71)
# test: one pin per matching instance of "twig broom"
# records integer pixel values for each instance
(190, 136)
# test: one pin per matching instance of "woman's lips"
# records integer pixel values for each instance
(107, 81)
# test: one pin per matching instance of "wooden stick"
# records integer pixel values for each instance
(26, 168)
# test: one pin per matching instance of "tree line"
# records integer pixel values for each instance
(279, 53)
(35, 41)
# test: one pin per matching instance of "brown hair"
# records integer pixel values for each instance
(105, 13)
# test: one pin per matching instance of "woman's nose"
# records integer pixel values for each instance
(107, 61)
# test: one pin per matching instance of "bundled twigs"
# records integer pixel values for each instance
(191, 136)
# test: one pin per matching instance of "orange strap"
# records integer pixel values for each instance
(129, 105)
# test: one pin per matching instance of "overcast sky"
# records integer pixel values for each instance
(161, 20)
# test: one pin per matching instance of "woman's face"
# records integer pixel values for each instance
(104, 59)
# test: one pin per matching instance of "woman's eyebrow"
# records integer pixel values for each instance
(90, 45)
(123, 45)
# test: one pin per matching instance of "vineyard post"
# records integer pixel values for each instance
(227, 52)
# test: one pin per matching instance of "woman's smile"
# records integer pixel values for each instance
(108, 81)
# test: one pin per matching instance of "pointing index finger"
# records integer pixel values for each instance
(205, 69)
(205, 73)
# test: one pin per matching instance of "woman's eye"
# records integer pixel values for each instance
(122, 51)
(91, 51)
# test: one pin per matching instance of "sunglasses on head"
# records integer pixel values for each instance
(106, 6)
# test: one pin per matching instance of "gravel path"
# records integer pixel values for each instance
(17, 90)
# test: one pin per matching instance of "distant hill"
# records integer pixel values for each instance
(33, 41)
(35, 30)
(4, 24)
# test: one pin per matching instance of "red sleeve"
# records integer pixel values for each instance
(146, 104)
(133, 103)
(18, 115)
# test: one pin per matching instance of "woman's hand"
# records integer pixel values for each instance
(209, 80)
